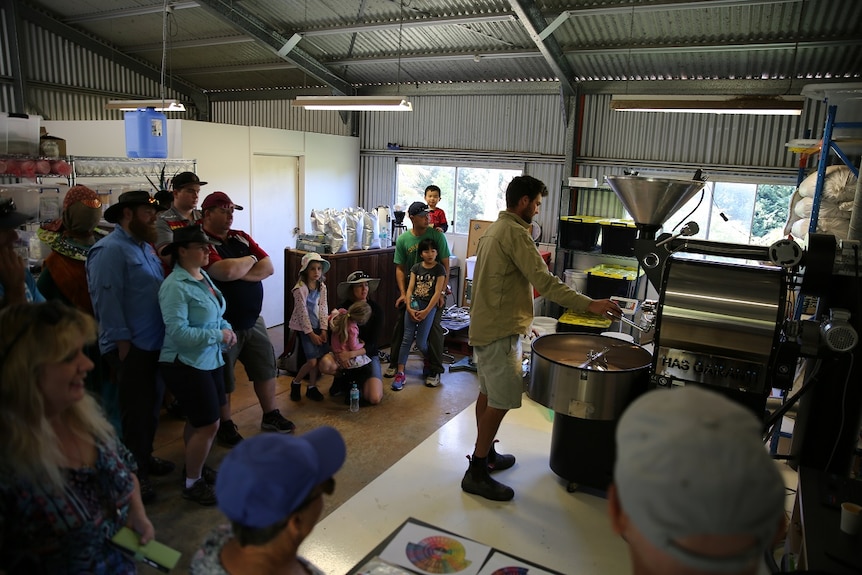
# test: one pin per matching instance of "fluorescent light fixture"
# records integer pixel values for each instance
(354, 103)
(757, 105)
(158, 105)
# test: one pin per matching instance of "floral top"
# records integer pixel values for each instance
(206, 560)
(45, 530)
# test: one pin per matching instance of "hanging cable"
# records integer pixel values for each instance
(163, 89)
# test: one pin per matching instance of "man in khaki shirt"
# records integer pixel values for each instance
(508, 267)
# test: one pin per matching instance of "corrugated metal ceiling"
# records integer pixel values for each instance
(227, 48)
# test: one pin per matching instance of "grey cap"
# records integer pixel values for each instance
(692, 462)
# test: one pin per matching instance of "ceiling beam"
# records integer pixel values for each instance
(411, 23)
(127, 12)
(101, 48)
(236, 16)
(533, 22)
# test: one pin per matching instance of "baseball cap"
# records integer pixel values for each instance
(184, 179)
(267, 477)
(417, 208)
(218, 200)
(692, 462)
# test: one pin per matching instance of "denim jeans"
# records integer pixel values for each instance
(420, 331)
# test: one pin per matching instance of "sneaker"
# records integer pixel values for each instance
(228, 434)
(158, 466)
(433, 380)
(390, 371)
(274, 421)
(201, 492)
(295, 392)
(313, 394)
(398, 382)
(148, 494)
(208, 474)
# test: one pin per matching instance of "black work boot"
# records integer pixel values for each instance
(478, 482)
(499, 461)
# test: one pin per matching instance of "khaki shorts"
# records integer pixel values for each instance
(255, 351)
(500, 374)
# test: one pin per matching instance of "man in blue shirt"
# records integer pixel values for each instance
(16, 282)
(124, 274)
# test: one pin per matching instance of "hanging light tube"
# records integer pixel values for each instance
(756, 105)
(158, 105)
(354, 103)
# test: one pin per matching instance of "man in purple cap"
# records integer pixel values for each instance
(238, 266)
(16, 283)
(124, 275)
(406, 256)
(271, 489)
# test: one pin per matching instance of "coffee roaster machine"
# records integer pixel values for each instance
(727, 317)
(730, 318)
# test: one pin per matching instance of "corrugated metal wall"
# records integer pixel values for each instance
(68, 82)
(734, 145)
(522, 132)
(510, 126)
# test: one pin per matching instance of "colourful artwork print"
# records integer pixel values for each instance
(438, 554)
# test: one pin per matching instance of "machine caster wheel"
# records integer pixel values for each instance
(571, 487)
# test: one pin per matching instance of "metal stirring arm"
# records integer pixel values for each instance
(593, 357)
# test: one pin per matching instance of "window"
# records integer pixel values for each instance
(737, 213)
(467, 193)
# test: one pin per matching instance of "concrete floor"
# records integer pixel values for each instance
(377, 437)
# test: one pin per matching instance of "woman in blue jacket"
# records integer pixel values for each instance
(191, 359)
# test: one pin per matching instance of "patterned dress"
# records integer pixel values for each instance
(47, 530)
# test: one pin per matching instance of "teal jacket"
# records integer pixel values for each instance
(192, 311)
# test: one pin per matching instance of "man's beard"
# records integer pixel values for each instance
(142, 231)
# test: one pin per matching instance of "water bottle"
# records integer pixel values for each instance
(354, 398)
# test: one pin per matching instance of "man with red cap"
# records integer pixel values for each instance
(238, 266)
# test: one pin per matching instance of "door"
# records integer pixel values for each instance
(274, 208)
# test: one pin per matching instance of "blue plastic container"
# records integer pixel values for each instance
(146, 134)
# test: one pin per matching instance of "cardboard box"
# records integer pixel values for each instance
(51, 146)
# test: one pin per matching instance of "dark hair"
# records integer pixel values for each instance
(433, 188)
(257, 535)
(426, 244)
(521, 186)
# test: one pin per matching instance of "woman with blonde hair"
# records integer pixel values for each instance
(67, 484)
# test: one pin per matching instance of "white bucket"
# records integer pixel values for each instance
(576, 279)
(619, 335)
(545, 325)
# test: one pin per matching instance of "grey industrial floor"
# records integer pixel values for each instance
(376, 438)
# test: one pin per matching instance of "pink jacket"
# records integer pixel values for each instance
(299, 319)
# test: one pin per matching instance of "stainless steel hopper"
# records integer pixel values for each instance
(651, 201)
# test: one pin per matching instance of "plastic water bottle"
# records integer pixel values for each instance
(354, 398)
